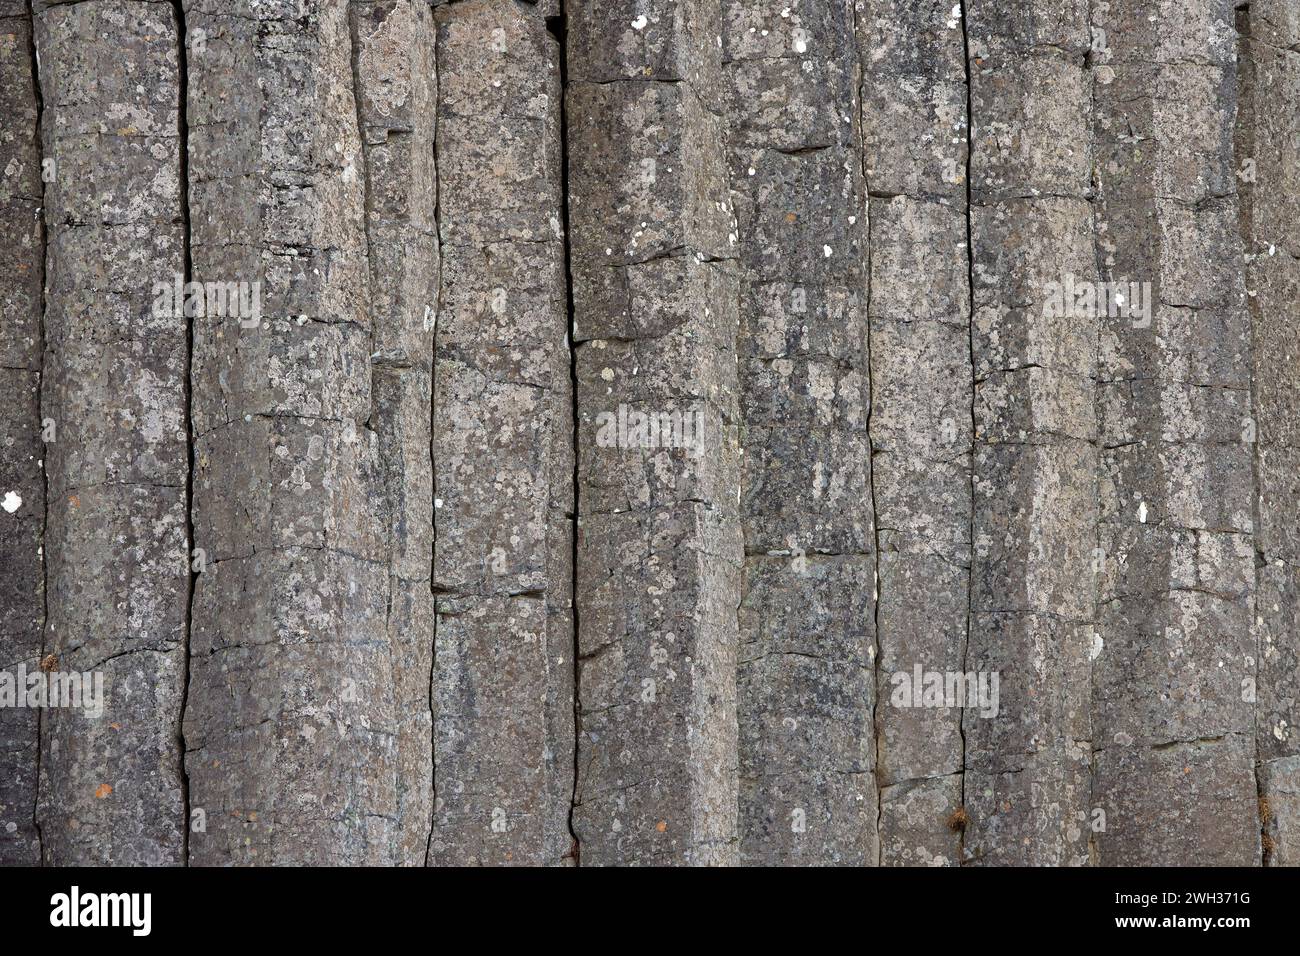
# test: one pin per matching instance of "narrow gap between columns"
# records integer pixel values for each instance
(1244, 143)
(431, 323)
(183, 147)
(39, 134)
(961, 816)
(558, 28)
(860, 146)
(1089, 65)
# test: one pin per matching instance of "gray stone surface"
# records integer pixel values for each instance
(659, 551)
(503, 448)
(805, 673)
(298, 713)
(394, 68)
(22, 473)
(642, 396)
(1034, 481)
(114, 384)
(915, 153)
(1176, 533)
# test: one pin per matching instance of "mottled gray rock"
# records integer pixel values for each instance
(296, 727)
(1034, 474)
(1268, 182)
(915, 148)
(503, 452)
(1186, 803)
(1176, 642)
(806, 667)
(22, 473)
(659, 539)
(393, 43)
(114, 385)
(640, 417)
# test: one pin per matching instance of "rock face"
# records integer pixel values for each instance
(649, 432)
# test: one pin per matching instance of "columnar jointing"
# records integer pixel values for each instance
(1173, 708)
(22, 474)
(396, 95)
(915, 133)
(660, 547)
(1267, 168)
(805, 668)
(503, 447)
(295, 748)
(1032, 584)
(114, 387)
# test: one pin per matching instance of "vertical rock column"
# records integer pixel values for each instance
(22, 473)
(114, 387)
(659, 544)
(503, 447)
(294, 747)
(915, 140)
(805, 676)
(1176, 641)
(1035, 514)
(396, 91)
(1268, 176)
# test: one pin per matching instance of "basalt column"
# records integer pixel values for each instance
(22, 472)
(805, 674)
(659, 540)
(1028, 754)
(1268, 178)
(503, 452)
(117, 460)
(1176, 646)
(293, 746)
(396, 93)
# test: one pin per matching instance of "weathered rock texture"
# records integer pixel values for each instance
(503, 447)
(22, 472)
(489, 432)
(114, 385)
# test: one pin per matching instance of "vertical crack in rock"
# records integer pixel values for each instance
(183, 147)
(1267, 179)
(961, 820)
(1243, 145)
(1098, 567)
(433, 465)
(557, 26)
(503, 446)
(860, 148)
(23, 607)
(39, 279)
(431, 326)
